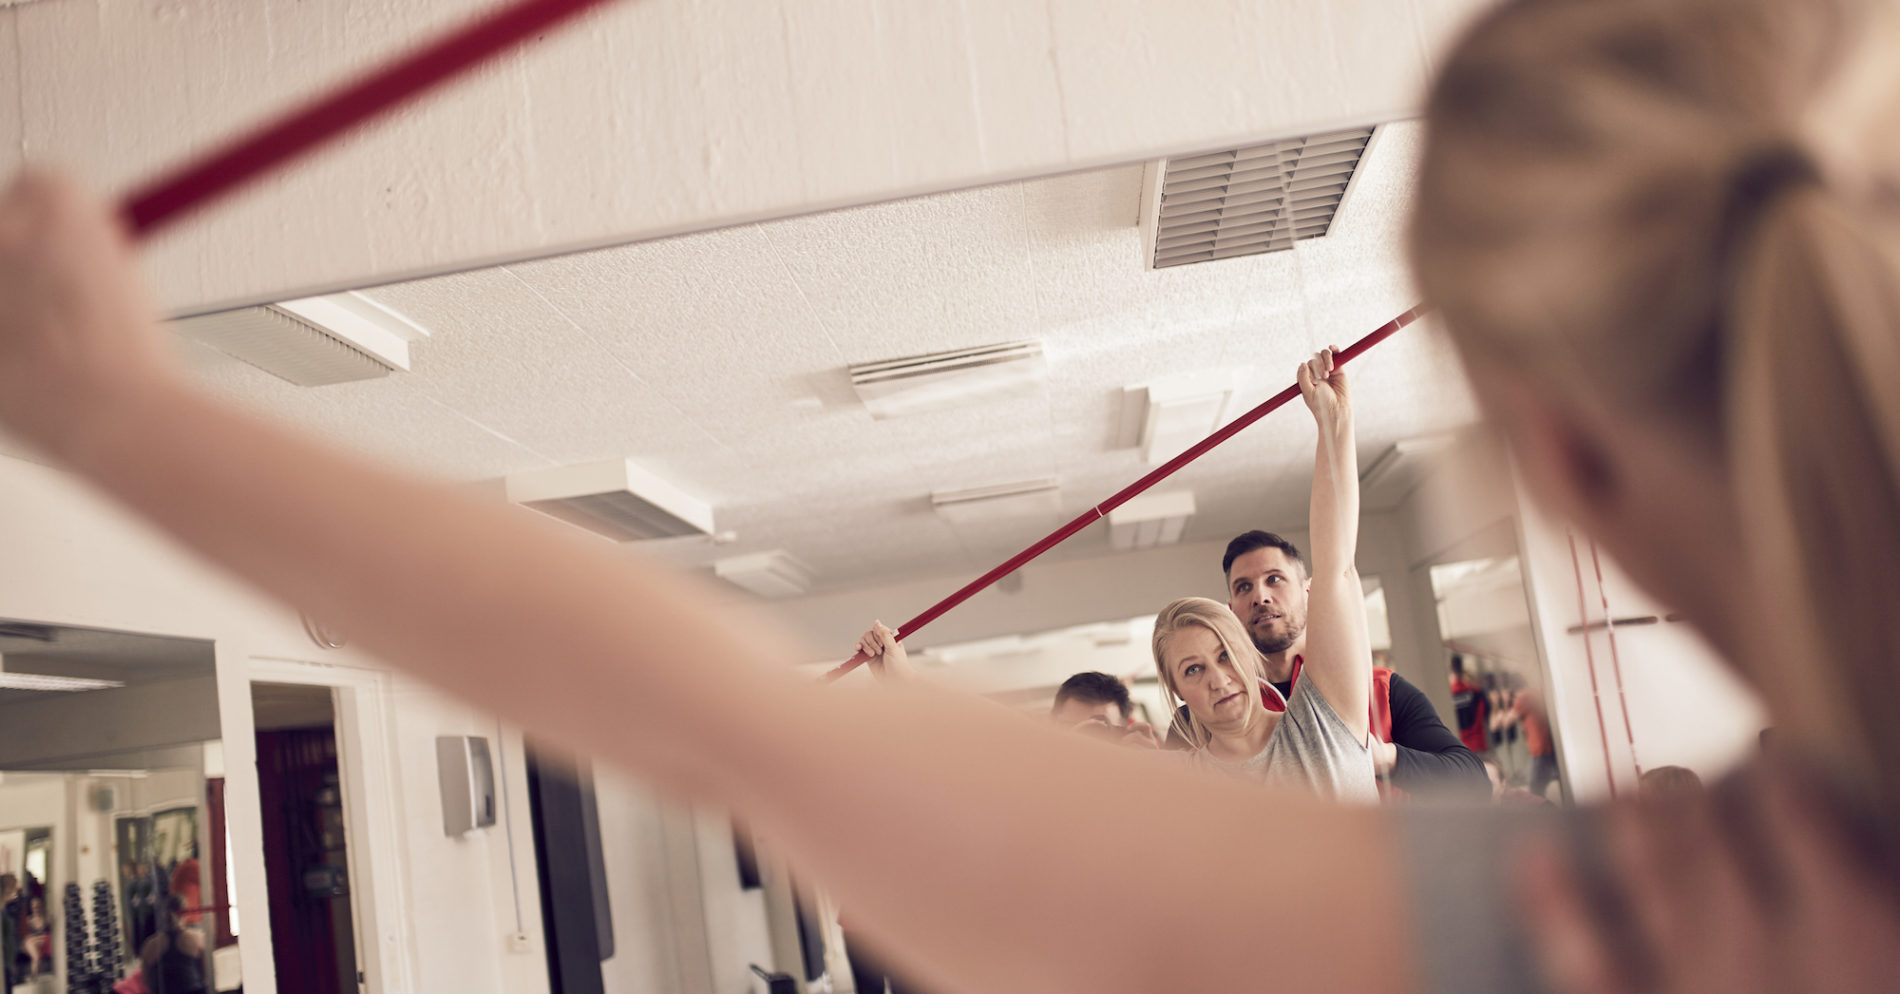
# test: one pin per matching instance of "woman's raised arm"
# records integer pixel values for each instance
(1338, 646)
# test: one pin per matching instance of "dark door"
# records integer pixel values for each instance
(306, 860)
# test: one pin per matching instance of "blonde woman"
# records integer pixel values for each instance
(1663, 234)
(1317, 740)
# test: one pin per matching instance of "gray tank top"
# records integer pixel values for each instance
(1311, 750)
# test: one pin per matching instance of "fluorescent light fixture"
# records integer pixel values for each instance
(915, 384)
(613, 497)
(41, 681)
(769, 574)
(1150, 520)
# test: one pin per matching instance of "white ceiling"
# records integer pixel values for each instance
(718, 361)
(93, 653)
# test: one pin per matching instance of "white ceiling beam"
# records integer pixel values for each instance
(659, 117)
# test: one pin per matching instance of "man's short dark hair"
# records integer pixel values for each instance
(1095, 688)
(1261, 540)
(1458, 664)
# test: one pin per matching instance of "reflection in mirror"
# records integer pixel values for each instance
(111, 795)
(1496, 681)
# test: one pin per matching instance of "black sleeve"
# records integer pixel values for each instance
(1431, 759)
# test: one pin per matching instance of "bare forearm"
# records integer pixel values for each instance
(1338, 646)
(1335, 508)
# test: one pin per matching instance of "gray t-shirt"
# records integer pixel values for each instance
(1311, 749)
(1468, 929)
(1461, 860)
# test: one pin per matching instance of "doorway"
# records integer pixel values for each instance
(306, 840)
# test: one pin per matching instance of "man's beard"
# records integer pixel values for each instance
(1272, 642)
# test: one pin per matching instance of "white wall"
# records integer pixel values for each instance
(1463, 509)
(33, 800)
(634, 848)
(74, 560)
(736, 925)
(681, 921)
(464, 891)
(658, 117)
(1684, 707)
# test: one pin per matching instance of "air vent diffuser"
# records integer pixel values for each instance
(1002, 502)
(1246, 201)
(1150, 520)
(614, 498)
(311, 342)
(1401, 468)
(915, 384)
(769, 574)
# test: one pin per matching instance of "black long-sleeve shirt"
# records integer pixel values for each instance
(1431, 759)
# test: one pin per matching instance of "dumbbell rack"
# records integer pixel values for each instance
(106, 957)
(80, 970)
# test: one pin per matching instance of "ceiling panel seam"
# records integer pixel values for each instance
(1035, 298)
(818, 316)
(615, 358)
(452, 409)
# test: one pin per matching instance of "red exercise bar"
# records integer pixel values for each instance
(1101, 510)
(196, 184)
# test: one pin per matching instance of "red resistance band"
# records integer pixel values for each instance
(195, 184)
(1101, 510)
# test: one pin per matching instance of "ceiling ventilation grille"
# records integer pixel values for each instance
(914, 384)
(769, 574)
(1001, 502)
(313, 342)
(1246, 201)
(613, 497)
(1401, 468)
(1150, 520)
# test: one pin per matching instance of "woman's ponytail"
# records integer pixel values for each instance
(1813, 415)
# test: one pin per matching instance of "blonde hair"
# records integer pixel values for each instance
(1682, 207)
(1670, 783)
(1199, 612)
